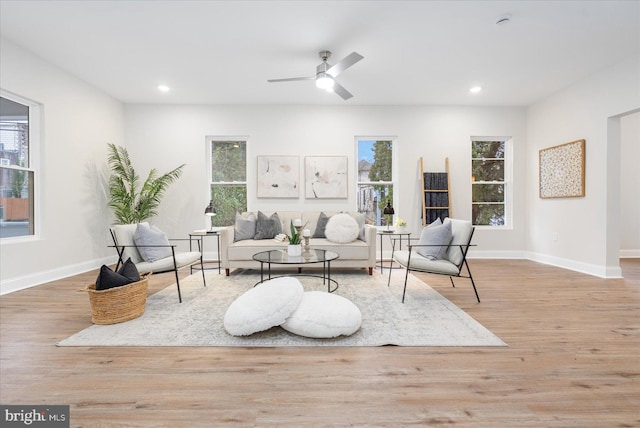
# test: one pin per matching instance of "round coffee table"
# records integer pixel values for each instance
(280, 257)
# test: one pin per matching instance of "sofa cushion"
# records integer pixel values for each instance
(361, 219)
(323, 315)
(267, 227)
(264, 306)
(245, 227)
(146, 235)
(342, 228)
(434, 235)
(323, 219)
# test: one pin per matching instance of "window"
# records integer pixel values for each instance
(375, 178)
(228, 181)
(490, 170)
(18, 123)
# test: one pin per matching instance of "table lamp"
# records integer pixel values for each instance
(210, 211)
(388, 214)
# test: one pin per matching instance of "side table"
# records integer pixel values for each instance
(384, 232)
(200, 235)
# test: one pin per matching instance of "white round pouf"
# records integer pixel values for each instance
(342, 229)
(264, 306)
(324, 315)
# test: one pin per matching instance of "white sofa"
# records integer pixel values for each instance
(357, 254)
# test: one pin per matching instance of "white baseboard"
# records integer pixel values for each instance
(33, 279)
(590, 269)
(630, 254)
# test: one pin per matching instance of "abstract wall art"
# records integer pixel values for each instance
(278, 177)
(562, 170)
(325, 177)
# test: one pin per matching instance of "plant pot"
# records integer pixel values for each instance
(294, 250)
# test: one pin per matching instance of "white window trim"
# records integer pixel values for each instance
(35, 145)
(508, 181)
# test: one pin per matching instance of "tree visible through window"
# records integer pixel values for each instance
(16, 169)
(488, 183)
(228, 180)
(375, 178)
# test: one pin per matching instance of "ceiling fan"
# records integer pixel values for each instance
(326, 74)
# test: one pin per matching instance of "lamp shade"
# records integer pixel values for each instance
(388, 210)
(210, 210)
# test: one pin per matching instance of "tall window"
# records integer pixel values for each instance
(17, 167)
(228, 179)
(489, 181)
(375, 178)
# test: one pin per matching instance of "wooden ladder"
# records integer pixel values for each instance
(436, 201)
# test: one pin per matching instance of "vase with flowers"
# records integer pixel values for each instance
(401, 225)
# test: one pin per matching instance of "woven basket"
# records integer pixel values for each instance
(118, 304)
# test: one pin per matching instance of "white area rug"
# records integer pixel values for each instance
(425, 319)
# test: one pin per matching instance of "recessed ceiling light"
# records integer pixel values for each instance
(163, 88)
(475, 89)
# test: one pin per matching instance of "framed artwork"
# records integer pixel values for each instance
(278, 177)
(562, 170)
(325, 177)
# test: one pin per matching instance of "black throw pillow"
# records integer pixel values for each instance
(110, 279)
(130, 270)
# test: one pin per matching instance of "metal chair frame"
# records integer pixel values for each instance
(120, 249)
(464, 248)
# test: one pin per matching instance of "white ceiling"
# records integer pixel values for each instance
(415, 52)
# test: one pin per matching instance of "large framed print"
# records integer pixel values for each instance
(562, 170)
(325, 177)
(278, 177)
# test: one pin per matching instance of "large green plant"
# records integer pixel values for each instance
(130, 202)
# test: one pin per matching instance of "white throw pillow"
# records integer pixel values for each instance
(324, 315)
(342, 229)
(264, 306)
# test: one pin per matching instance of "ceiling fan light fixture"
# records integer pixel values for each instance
(324, 81)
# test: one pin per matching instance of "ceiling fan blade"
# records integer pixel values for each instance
(291, 79)
(347, 62)
(340, 90)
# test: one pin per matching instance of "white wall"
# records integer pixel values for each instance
(630, 185)
(165, 136)
(587, 228)
(77, 121)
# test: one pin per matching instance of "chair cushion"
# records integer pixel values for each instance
(124, 236)
(264, 306)
(418, 262)
(245, 227)
(461, 230)
(321, 226)
(166, 264)
(434, 235)
(342, 228)
(267, 227)
(324, 315)
(145, 235)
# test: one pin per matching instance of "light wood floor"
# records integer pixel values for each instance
(573, 361)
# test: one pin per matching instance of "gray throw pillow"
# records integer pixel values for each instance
(245, 228)
(145, 235)
(435, 235)
(321, 226)
(267, 227)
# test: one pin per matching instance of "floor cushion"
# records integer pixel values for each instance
(264, 306)
(324, 315)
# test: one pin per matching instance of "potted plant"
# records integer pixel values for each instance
(130, 202)
(401, 225)
(295, 247)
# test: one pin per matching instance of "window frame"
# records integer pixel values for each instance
(507, 181)
(394, 171)
(34, 152)
(209, 156)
